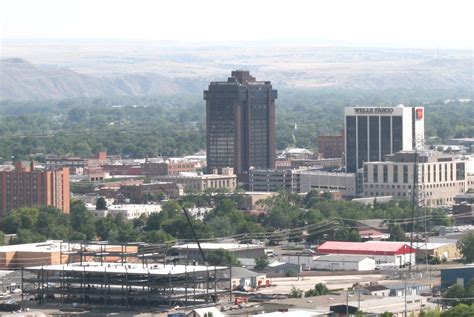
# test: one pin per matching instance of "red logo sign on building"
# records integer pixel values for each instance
(419, 113)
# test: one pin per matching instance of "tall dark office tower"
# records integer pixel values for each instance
(371, 133)
(240, 123)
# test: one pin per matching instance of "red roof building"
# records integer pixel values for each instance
(399, 253)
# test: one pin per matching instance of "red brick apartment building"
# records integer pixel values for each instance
(331, 146)
(27, 187)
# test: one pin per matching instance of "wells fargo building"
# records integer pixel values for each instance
(371, 133)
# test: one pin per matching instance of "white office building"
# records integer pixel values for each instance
(371, 133)
(440, 177)
(346, 183)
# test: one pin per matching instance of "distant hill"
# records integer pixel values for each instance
(22, 80)
(149, 68)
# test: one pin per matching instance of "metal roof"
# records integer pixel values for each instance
(368, 247)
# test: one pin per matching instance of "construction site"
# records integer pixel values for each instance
(128, 275)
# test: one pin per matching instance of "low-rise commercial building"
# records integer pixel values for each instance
(272, 180)
(200, 182)
(190, 251)
(54, 252)
(138, 193)
(297, 153)
(374, 290)
(398, 253)
(398, 306)
(321, 303)
(440, 177)
(175, 167)
(337, 262)
(250, 201)
(462, 276)
(441, 251)
(75, 164)
(318, 180)
(318, 163)
(128, 211)
(410, 288)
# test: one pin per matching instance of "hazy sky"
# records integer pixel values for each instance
(414, 23)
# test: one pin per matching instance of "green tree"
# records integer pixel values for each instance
(461, 310)
(396, 233)
(261, 263)
(466, 247)
(295, 293)
(430, 313)
(157, 236)
(221, 257)
(171, 208)
(318, 290)
(101, 204)
(106, 228)
(82, 221)
(454, 295)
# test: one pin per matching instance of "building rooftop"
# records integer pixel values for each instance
(294, 313)
(47, 246)
(393, 304)
(368, 247)
(216, 246)
(429, 245)
(127, 268)
(375, 288)
(316, 302)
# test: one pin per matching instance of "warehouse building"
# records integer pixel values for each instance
(441, 251)
(459, 275)
(53, 252)
(223, 179)
(398, 253)
(336, 262)
(397, 306)
(190, 251)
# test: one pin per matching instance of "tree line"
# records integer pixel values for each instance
(285, 217)
(175, 125)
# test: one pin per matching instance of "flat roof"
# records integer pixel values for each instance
(391, 303)
(429, 245)
(216, 246)
(127, 268)
(59, 245)
(316, 302)
(47, 246)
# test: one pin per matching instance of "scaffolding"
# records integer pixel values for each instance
(128, 284)
(127, 275)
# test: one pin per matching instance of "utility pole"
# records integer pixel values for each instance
(406, 308)
(347, 302)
